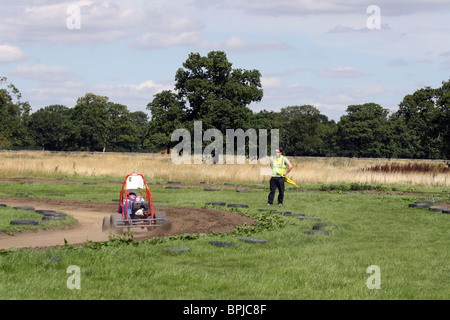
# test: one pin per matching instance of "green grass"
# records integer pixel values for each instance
(7, 214)
(410, 246)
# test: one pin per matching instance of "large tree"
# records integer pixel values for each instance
(443, 103)
(90, 116)
(303, 129)
(138, 131)
(167, 114)
(426, 115)
(51, 127)
(101, 123)
(215, 93)
(14, 116)
(364, 131)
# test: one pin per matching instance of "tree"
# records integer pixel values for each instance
(425, 112)
(90, 116)
(403, 141)
(139, 126)
(302, 130)
(14, 116)
(51, 127)
(363, 131)
(215, 93)
(443, 103)
(167, 115)
(118, 128)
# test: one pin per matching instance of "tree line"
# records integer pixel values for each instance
(208, 89)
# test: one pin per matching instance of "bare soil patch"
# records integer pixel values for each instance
(90, 215)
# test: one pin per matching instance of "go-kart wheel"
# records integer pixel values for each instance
(106, 226)
(158, 215)
(114, 218)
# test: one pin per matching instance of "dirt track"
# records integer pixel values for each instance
(90, 216)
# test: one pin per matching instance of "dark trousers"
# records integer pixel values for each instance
(276, 183)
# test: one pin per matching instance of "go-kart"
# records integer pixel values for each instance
(135, 208)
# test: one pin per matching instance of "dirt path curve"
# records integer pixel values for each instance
(90, 216)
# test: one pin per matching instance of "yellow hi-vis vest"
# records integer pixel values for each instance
(278, 166)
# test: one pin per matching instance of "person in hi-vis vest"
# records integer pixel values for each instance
(280, 168)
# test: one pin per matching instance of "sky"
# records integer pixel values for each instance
(329, 54)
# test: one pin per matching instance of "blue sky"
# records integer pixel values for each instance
(322, 53)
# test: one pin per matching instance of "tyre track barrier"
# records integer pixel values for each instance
(253, 240)
(222, 244)
(231, 205)
(47, 215)
(430, 204)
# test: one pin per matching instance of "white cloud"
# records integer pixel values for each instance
(105, 21)
(10, 53)
(43, 73)
(239, 44)
(157, 40)
(276, 88)
(343, 72)
(65, 93)
(135, 96)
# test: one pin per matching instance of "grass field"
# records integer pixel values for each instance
(408, 245)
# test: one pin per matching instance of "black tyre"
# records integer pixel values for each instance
(238, 205)
(114, 217)
(25, 222)
(222, 244)
(326, 232)
(253, 240)
(216, 203)
(159, 215)
(55, 214)
(53, 217)
(23, 208)
(106, 226)
(422, 205)
(45, 211)
(322, 225)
